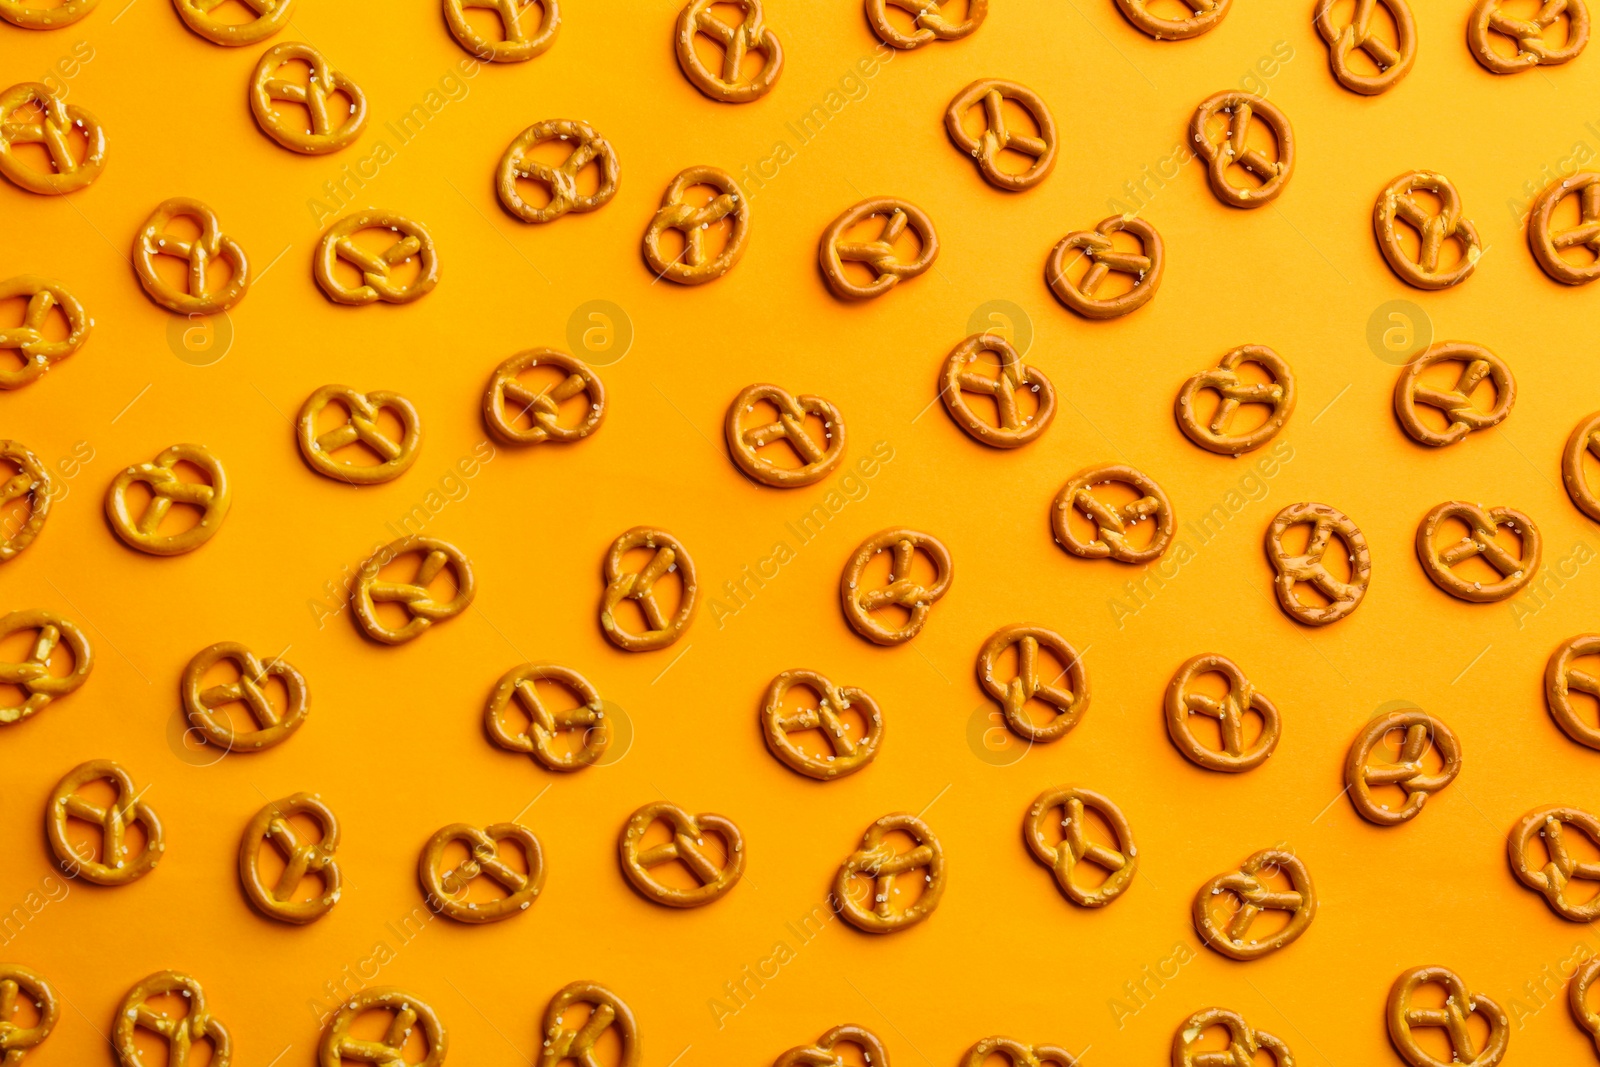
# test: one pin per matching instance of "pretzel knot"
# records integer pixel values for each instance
(903, 591)
(607, 1012)
(998, 136)
(929, 22)
(688, 846)
(547, 729)
(519, 42)
(752, 34)
(271, 727)
(54, 128)
(1253, 896)
(1112, 523)
(1482, 527)
(1119, 861)
(879, 861)
(1460, 1004)
(1560, 869)
(16, 1040)
(1422, 734)
(1307, 566)
(419, 604)
(1462, 414)
(1243, 1042)
(1396, 204)
(1234, 150)
(1527, 34)
(330, 130)
(559, 179)
(847, 754)
(1204, 16)
(447, 889)
(180, 1032)
(824, 1053)
(211, 244)
(406, 1012)
(300, 858)
(1393, 62)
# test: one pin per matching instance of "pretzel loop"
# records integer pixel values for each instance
(212, 244)
(1343, 597)
(1111, 523)
(1393, 61)
(687, 845)
(903, 591)
(997, 135)
(879, 861)
(53, 128)
(1234, 150)
(1460, 1004)
(1396, 204)
(271, 825)
(447, 890)
(560, 179)
(818, 458)
(1461, 413)
(422, 607)
(1422, 734)
(1096, 247)
(1119, 861)
(1482, 524)
(543, 738)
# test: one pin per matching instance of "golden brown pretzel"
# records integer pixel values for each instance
(1103, 258)
(271, 16)
(33, 676)
(879, 861)
(607, 1011)
(197, 298)
(1422, 734)
(848, 754)
(560, 179)
(545, 726)
(1548, 243)
(752, 34)
(660, 629)
(37, 17)
(56, 123)
(446, 890)
(1112, 523)
(693, 266)
(1242, 698)
(1396, 204)
(300, 858)
(877, 255)
(1482, 524)
(337, 1048)
(1585, 439)
(1393, 61)
(1234, 150)
(1459, 1006)
(411, 239)
(180, 1032)
(1243, 1042)
(929, 22)
(1119, 861)
(1068, 701)
(902, 590)
(33, 482)
(957, 378)
(825, 1052)
(1307, 566)
(1461, 413)
(28, 340)
(1560, 869)
(413, 596)
(330, 130)
(115, 866)
(1016, 1054)
(1234, 392)
(166, 489)
(507, 398)
(519, 42)
(1527, 34)
(1587, 1018)
(16, 1041)
(998, 137)
(687, 845)
(1561, 678)
(1204, 17)
(1254, 896)
(271, 727)
(361, 424)
(818, 459)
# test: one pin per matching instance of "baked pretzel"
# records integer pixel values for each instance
(361, 425)
(1584, 440)
(1461, 413)
(1460, 1005)
(1561, 679)
(1243, 1042)
(752, 34)
(28, 339)
(116, 866)
(660, 630)
(693, 266)
(997, 135)
(1548, 243)
(198, 298)
(929, 22)
(143, 531)
(1393, 61)
(1482, 525)
(818, 459)
(447, 890)
(1110, 540)
(687, 845)
(519, 41)
(411, 239)
(1067, 702)
(1204, 17)
(179, 1032)
(957, 377)
(56, 123)
(847, 754)
(1103, 258)
(1343, 597)
(413, 597)
(1234, 150)
(902, 591)
(508, 398)
(877, 255)
(1422, 734)
(607, 1012)
(300, 858)
(16, 1040)
(1119, 861)
(271, 16)
(1396, 204)
(406, 1014)
(825, 1053)
(880, 862)
(1253, 895)
(1232, 393)
(1016, 1054)
(1560, 869)
(272, 727)
(1527, 35)
(330, 130)
(546, 728)
(34, 17)
(1242, 698)
(560, 180)
(39, 685)
(1587, 1018)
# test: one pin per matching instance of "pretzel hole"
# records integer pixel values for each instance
(667, 592)
(1476, 568)
(1380, 27)
(1555, 36)
(155, 1051)
(1247, 418)
(1051, 670)
(817, 743)
(984, 406)
(24, 1014)
(373, 1025)
(905, 888)
(376, 241)
(676, 874)
(607, 1047)
(1115, 495)
(714, 238)
(172, 266)
(906, 248)
(1567, 214)
(358, 453)
(905, 22)
(487, 24)
(270, 862)
(780, 452)
(1018, 121)
(1443, 376)
(13, 311)
(1075, 265)
(236, 714)
(553, 153)
(484, 889)
(713, 57)
(560, 701)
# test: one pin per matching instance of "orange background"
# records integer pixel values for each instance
(394, 741)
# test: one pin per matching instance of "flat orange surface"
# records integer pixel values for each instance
(395, 742)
